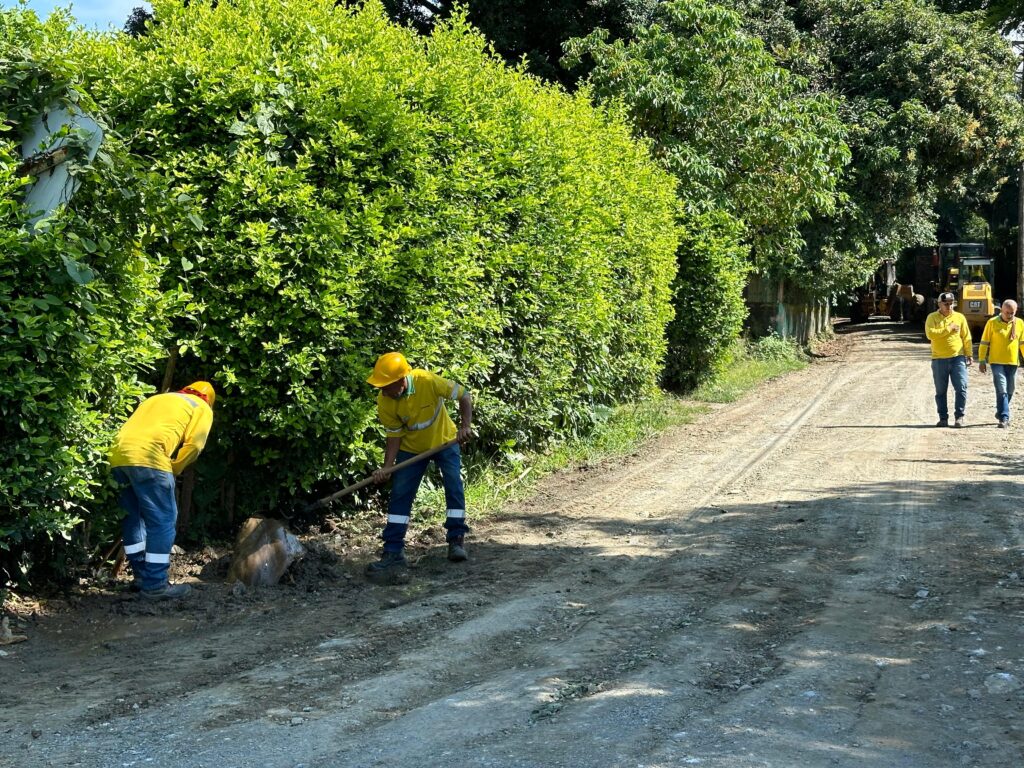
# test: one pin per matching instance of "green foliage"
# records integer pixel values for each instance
(754, 154)
(531, 32)
(708, 295)
(932, 115)
(749, 364)
(352, 188)
(80, 312)
(741, 134)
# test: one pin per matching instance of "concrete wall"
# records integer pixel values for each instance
(787, 310)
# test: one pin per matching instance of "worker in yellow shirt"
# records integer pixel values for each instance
(1000, 348)
(952, 352)
(411, 406)
(165, 434)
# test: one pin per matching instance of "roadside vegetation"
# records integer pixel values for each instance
(287, 190)
(623, 430)
(751, 363)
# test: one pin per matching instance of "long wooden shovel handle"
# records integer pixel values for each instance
(365, 482)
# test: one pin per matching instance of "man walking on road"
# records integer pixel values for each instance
(164, 435)
(952, 351)
(410, 405)
(1000, 347)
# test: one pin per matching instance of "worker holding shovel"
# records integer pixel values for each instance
(165, 434)
(410, 405)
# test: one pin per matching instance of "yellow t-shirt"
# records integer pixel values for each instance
(996, 345)
(945, 343)
(419, 416)
(162, 425)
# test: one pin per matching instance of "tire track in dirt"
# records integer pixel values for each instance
(726, 603)
(258, 676)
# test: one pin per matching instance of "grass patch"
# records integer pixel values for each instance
(750, 364)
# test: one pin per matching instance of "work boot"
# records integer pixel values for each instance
(958, 422)
(389, 563)
(167, 592)
(457, 552)
(942, 423)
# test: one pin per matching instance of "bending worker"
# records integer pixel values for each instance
(410, 405)
(164, 435)
(1000, 347)
(952, 351)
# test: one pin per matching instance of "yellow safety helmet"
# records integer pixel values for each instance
(390, 367)
(203, 389)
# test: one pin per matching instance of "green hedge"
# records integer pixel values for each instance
(81, 314)
(708, 295)
(353, 188)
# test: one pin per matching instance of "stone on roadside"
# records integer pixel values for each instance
(1001, 682)
(264, 549)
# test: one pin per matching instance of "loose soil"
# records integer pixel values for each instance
(812, 576)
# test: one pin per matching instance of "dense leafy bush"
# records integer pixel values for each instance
(708, 294)
(353, 189)
(80, 311)
(755, 154)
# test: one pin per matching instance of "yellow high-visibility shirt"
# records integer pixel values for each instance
(996, 346)
(164, 425)
(419, 416)
(946, 343)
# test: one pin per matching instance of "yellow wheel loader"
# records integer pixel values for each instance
(968, 273)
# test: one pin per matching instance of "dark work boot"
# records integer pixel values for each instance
(456, 551)
(389, 564)
(167, 592)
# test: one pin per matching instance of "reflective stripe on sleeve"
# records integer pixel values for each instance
(456, 513)
(134, 549)
(155, 558)
(399, 519)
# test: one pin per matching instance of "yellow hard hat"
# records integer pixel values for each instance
(203, 389)
(390, 367)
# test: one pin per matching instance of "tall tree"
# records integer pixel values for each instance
(754, 156)
(739, 133)
(137, 21)
(531, 30)
(931, 106)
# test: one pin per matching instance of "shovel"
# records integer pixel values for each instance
(363, 483)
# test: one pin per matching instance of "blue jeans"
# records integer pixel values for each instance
(1004, 378)
(405, 483)
(147, 495)
(948, 369)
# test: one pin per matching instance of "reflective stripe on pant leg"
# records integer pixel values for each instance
(155, 490)
(133, 530)
(450, 463)
(404, 484)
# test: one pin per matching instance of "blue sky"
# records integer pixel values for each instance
(91, 13)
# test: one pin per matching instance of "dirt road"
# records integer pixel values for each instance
(814, 576)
